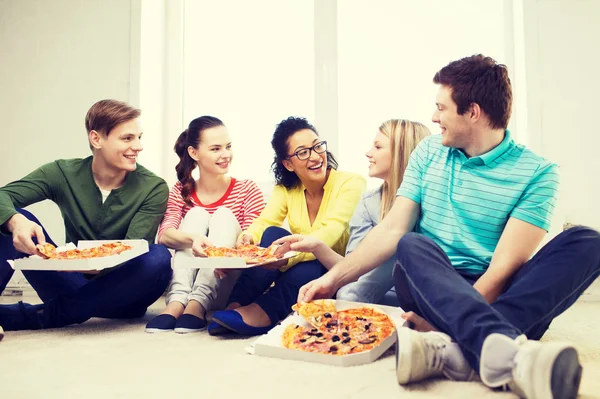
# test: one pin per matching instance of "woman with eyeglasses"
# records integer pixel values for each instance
(318, 201)
(388, 157)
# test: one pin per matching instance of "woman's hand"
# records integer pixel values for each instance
(298, 242)
(244, 239)
(200, 242)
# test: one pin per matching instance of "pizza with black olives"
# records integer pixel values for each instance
(337, 332)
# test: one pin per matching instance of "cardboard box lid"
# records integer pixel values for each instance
(34, 262)
(186, 260)
(270, 344)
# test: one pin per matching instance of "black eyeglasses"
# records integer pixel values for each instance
(304, 153)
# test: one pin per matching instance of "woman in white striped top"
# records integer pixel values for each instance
(212, 210)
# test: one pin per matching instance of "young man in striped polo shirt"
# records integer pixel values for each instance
(472, 209)
(106, 196)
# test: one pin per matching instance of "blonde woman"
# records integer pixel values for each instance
(388, 157)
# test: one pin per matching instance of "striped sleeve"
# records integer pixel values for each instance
(411, 182)
(252, 205)
(536, 205)
(174, 212)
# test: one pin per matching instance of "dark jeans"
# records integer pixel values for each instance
(543, 288)
(71, 297)
(278, 300)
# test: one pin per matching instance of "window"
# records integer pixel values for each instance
(388, 53)
(251, 64)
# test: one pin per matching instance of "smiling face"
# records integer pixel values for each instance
(313, 169)
(380, 157)
(456, 129)
(214, 153)
(120, 147)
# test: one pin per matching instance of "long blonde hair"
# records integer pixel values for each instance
(404, 136)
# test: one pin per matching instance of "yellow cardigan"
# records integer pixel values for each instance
(343, 191)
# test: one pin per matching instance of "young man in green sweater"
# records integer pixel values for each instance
(106, 196)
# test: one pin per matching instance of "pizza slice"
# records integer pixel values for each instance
(254, 254)
(215, 252)
(47, 250)
(319, 313)
(310, 340)
(111, 248)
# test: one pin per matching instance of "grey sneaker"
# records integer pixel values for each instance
(1, 333)
(530, 369)
(431, 354)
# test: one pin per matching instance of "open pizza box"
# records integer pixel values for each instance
(35, 262)
(270, 344)
(186, 260)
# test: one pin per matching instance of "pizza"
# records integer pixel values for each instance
(315, 309)
(336, 332)
(252, 254)
(48, 251)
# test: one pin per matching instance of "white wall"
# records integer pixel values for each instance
(57, 58)
(561, 53)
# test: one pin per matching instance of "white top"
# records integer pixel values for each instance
(105, 194)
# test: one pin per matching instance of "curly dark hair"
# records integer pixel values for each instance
(191, 137)
(479, 79)
(284, 130)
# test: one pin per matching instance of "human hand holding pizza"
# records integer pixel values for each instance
(244, 239)
(298, 242)
(322, 288)
(199, 243)
(23, 230)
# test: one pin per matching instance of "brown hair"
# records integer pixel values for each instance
(191, 137)
(404, 136)
(105, 115)
(479, 79)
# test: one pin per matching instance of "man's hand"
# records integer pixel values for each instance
(200, 242)
(300, 243)
(23, 230)
(419, 323)
(322, 288)
(244, 239)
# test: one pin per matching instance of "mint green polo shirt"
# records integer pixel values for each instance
(466, 202)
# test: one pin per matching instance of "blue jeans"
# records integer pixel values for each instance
(72, 297)
(544, 287)
(277, 301)
(371, 287)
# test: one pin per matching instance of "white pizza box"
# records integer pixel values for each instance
(186, 260)
(35, 262)
(270, 344)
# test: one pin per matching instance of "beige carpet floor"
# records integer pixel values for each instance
(116, 359)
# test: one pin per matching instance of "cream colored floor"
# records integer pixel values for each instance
(116, 359)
